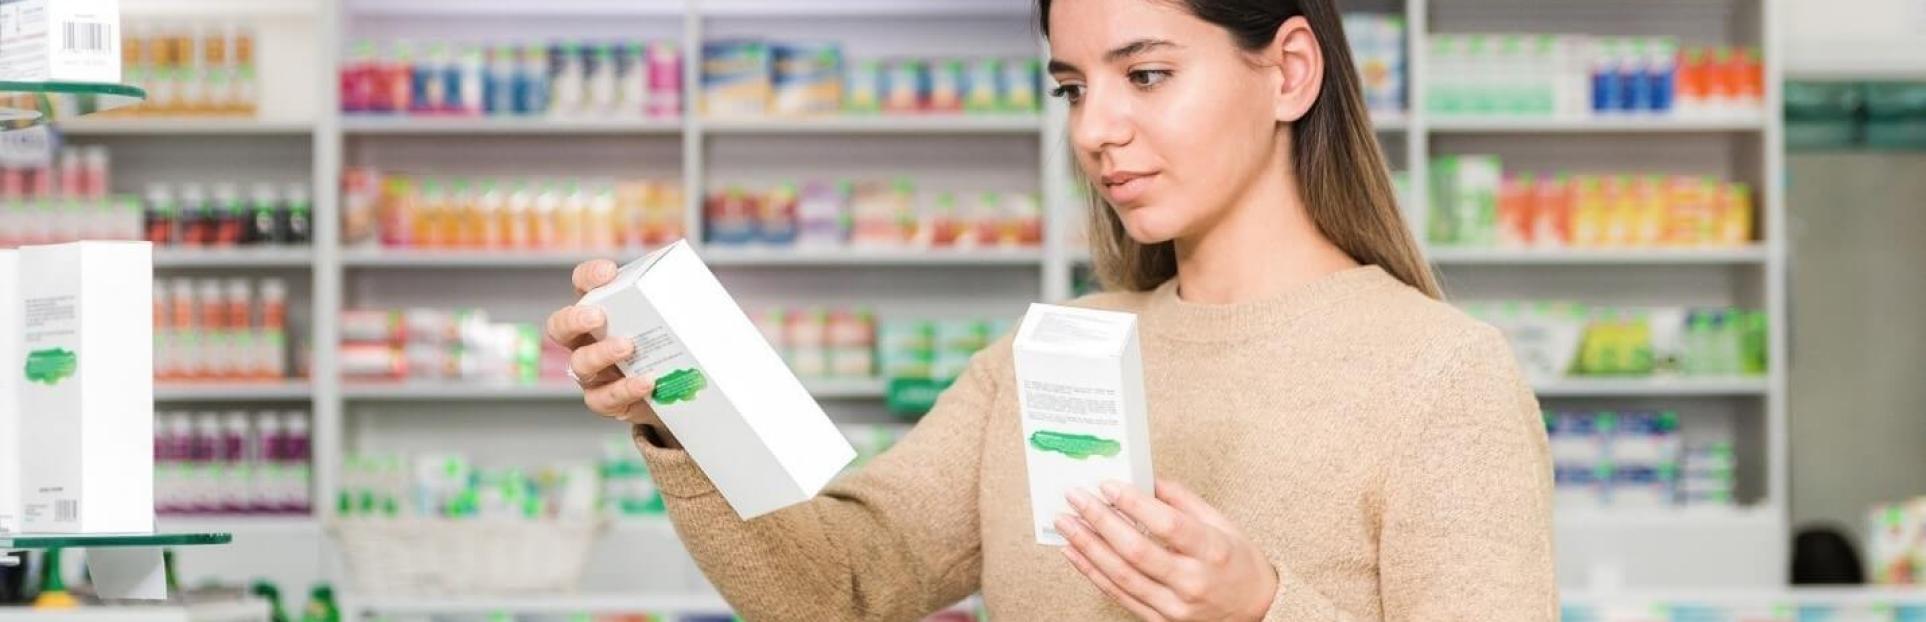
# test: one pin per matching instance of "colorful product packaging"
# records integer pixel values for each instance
(720, 388)
(60, 40)
(907, 88)
(1080, 375)
(863, 92)
(808, 78)
(88, 396)
(736, 78)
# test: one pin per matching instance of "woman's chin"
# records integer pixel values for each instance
(1148, 231)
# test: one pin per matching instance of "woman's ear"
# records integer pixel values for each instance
(1299, 64)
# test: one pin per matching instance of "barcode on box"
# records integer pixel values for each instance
(66, 511)
(86, 36)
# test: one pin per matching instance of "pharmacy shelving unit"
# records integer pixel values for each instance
(1738, 548)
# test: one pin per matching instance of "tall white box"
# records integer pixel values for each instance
(64, 40)
(9, 392)
(1080, 385)
(87, 396)
(725, 394)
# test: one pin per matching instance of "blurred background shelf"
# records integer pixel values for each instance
(236, 611)
(828, 389)
(232, 391)
(262, 257)
(676, 604)
(371, 125)
(186, 126)
(929, 124)
(1755, 254)
(756, 257)
(1604, 124)
(1652, 387)
(398, 258)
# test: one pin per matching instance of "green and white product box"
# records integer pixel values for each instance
(60, 40)
(87, 397)
(1081, 389)
(720, 388)
(9, 392)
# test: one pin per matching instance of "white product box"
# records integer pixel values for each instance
(1081, 389)
(87, 398)
(724, 393)
(66, 40)
(9, 392)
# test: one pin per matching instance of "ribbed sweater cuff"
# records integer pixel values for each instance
(675, 473)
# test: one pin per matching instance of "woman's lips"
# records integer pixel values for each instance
(1124, 188)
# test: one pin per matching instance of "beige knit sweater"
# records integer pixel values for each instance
(1378, 445)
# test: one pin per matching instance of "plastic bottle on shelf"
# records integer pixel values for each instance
(603, 227)
(197, 222)
(272, 364)
(532, 81)
(204, 455)
(398, 79)
(571, 217)
(568, 83)
(665, 80)
(233, 456)
(297, 457)
(498, 90)
(601, 75)
(519, 218)
(472, 76)
(631, 79)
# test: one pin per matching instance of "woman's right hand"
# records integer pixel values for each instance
(606, 391)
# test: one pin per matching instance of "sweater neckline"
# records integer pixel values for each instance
(1173, 317)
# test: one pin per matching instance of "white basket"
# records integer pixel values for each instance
(438, 557)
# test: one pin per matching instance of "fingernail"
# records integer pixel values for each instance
(1065, 523)
(1078, 498)
(1111, 490)
(640, 385)
(588, 315)
(625, 348)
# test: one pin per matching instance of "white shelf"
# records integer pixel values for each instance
(1844, 596)
(1755, 254)
(1600, 124)
(231, 391)
(1653, 387)
(561, 604)
(1390, 121)
(217, 8)
(185, 126)
(242, 526)
(879, 124)
(1660, 517)
(862, 388)
(513, 8)
(764, 257)
(867, 8)
(384, 258)
(250, 610)
(234, 257)
(395, 125)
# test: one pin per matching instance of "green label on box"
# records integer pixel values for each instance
(1076, 446)
(49, 367)
(679, 386)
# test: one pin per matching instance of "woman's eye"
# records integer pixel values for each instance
(1071, 92)
(1146, 78)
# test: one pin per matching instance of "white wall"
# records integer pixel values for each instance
(1855, 38)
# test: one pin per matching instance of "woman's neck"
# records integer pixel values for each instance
(1263, 245)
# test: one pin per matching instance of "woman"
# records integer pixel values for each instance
(1333, 442)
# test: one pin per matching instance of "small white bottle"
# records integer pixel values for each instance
(267, 489)
(237, 456)
(296, 461)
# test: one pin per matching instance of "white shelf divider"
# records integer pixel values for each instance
(1748, 255)
(250, 610)
(878, 124)
(776, 258)
(674, 604)
(1654, 387)
(392, 258)
(185, 126)
(456, 391)
(401, 125)
(239, 257)
(1599, 124)
(233, 391)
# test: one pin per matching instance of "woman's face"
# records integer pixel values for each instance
(1168, 118)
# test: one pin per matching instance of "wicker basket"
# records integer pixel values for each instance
(438, 557)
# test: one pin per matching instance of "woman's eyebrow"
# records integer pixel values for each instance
(1127, 50)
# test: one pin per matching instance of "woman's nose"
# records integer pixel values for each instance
(1100, 122)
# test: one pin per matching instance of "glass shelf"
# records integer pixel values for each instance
(27, 104)
(86, 540)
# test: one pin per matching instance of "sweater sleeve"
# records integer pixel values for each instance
(1466, 529)
(895, 540)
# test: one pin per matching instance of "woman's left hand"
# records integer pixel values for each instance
(1186, 563)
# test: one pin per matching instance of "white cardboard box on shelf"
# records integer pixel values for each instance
(87, 397)
(9, 392)
(1081, 389)
(721, 389)
(65, 40)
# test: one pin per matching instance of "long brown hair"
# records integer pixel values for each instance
(1346, 183)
